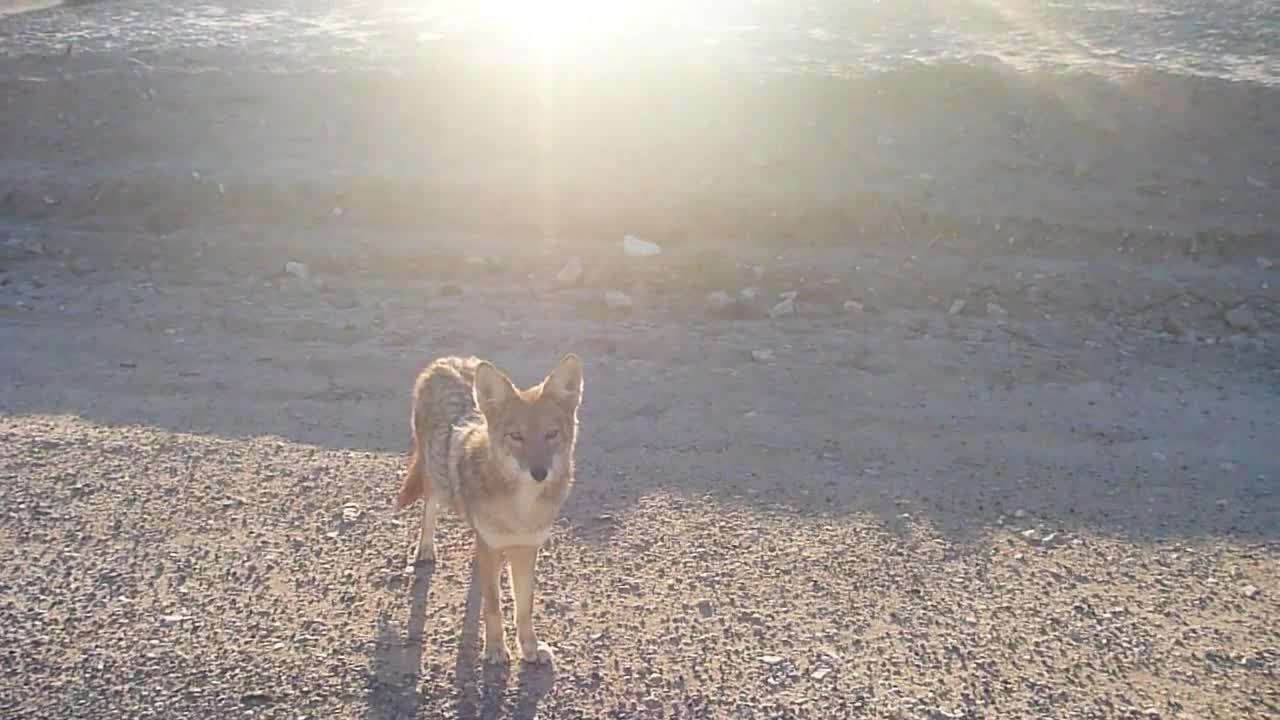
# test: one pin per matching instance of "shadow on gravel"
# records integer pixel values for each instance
(393, 688)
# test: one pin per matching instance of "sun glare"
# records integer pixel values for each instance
(551, 18)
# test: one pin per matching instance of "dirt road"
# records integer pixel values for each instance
(1009, 451)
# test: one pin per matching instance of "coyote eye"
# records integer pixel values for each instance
(553, 434)
(515, 437)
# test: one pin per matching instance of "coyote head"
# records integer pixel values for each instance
(532, 432)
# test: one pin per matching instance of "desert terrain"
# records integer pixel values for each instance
(951, 393)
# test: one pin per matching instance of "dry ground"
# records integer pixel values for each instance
(1059, 500)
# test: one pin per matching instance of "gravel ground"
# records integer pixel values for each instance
(1008, 452)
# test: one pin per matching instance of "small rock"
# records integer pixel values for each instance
(995, 309)
(1020, 513)
(852, 306)
(633, 246)
(783, 309)
(1049, 539)
(1257, 182)
(720, 301)
(297, 269)
(351, 513)
(1222, 504)
(617, 300)
(571, 273)
(81, 265)
(1173, 326)
(820, 674)
(771, 660)
(758, 270)
(789, 295)
(957, 306)
(167, 620)
(1031, 535)
(706, 607)
(1265, 263)
(1242, 318)
(1249, 591)
(750, 293)
(763, 356)
(1235, 571)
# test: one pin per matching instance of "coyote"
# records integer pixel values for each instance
(502, 459)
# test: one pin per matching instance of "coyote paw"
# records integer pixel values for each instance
(497, 653)
(538, 654)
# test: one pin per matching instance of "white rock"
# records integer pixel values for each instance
(571, 273)
(297, 269)
(719, 301)
(995, 309)
(758, 270)
(789, 295)
(633, 246)
(852, 306)
(750, 293)
(1242, 318)
(771, 660)
(763, 356)
(617, 300)
(1249, 591)
(820, 674)
(1265, 263)
(957, 306)
(783, 309)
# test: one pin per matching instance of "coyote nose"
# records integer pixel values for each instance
(538, 473)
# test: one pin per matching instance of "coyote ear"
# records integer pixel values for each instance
(564, 383)
(493, 389)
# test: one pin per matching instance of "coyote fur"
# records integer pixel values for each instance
(502, 459)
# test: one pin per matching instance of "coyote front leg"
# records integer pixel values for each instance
(524, 561)
(489, 575)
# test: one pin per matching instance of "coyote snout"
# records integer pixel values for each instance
(502, 458)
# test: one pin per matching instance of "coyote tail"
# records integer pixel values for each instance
(415, 478)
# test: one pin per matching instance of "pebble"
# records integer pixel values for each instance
(820, 674)
(719, 301)
(783, 309)
(763, 356)
(297, 269)
(351, 513)
(617, 300)
(1019, 513)
(771, 660)
(852, 306)
(1174, 326)
(995, 309)
(957, 306)
(706, 607)
(1249, 591)
(570, 274)
(633, 246)
(750, 293)
(1242, 318)
(1265, 263)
